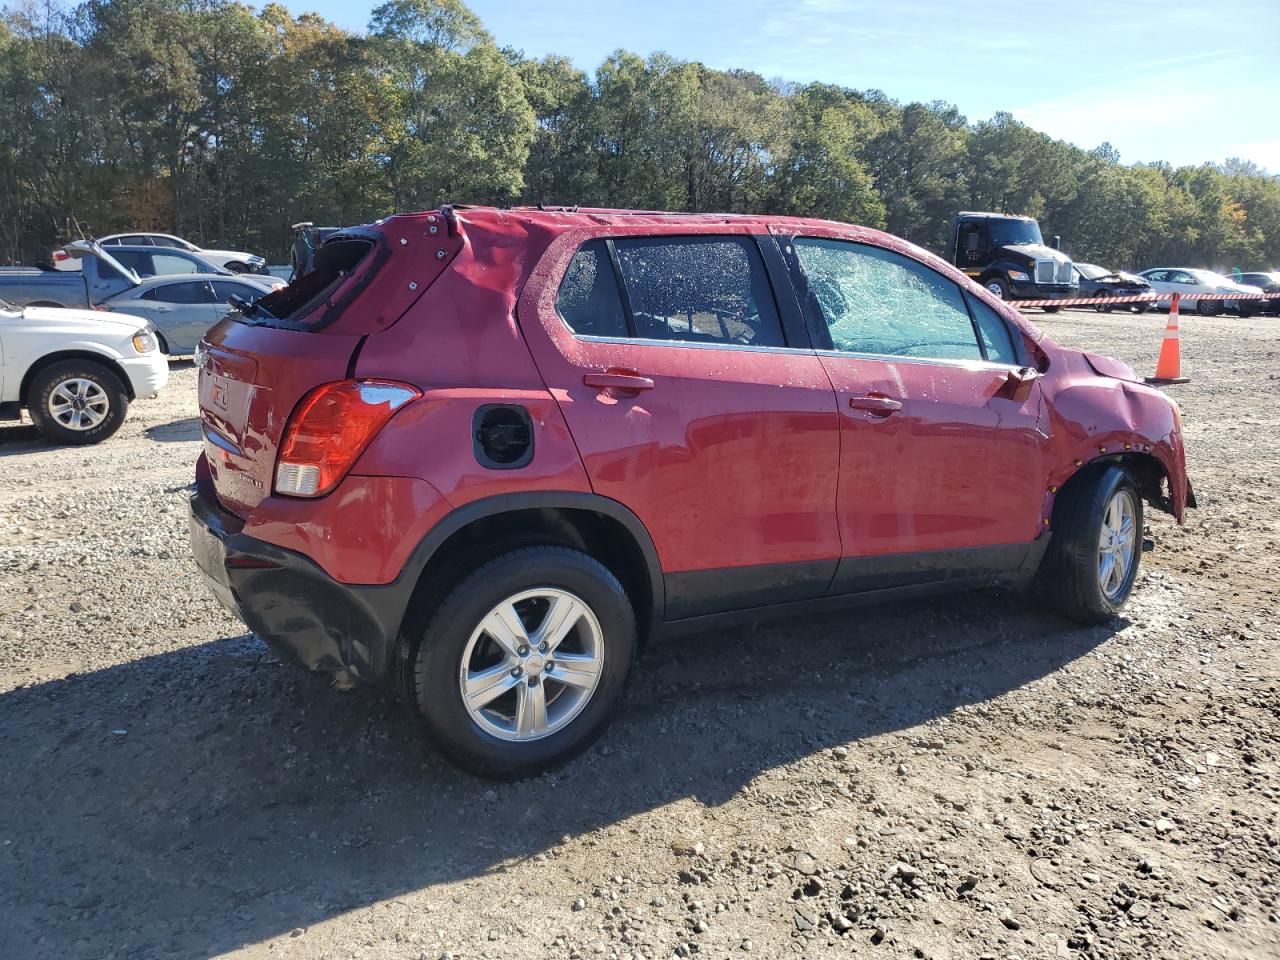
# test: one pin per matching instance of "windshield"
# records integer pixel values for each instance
(1091, 271)
(1006, 233)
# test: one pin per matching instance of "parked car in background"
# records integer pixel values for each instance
(237, 261)
(1267, 282)
(161, 262)
(75, 371)
(183, 308)
(632, 425)
(1173, 280)
(1096, 281)
(100, 276)
(306, 237)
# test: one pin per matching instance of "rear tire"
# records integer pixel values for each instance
(77, 402)
(1208, 308)
(1050, 309)
(1098, 515)
(506, 735)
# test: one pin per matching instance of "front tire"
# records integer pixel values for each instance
(1092, 562)
(77, 402)
(523, 665)
(997, 286)
(1208, 308)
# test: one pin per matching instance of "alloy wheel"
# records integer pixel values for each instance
(1117, 544)
(532, 664)
(79, 404)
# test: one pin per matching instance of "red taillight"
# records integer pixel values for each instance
(330, 429)
(60, 255)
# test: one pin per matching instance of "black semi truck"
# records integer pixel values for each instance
(1008, 256)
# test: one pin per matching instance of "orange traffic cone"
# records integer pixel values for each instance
(1169, 366)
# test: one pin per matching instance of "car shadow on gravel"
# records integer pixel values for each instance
(20, 438)
(176, 430)
(196, 801)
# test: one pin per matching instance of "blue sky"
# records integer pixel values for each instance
(1159, 79)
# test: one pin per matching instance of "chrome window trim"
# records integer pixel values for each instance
(685, 344)
(930, 361)
(802, 351)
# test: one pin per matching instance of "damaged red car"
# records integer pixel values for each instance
(480, 456)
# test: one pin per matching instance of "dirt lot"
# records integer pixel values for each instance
(964, 779)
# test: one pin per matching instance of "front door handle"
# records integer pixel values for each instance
(880, 406)
(618, 381)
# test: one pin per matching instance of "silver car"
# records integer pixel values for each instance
(183, 307)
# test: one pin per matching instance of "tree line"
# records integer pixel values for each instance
(223, 124)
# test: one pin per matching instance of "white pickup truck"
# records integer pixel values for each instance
(75, 371)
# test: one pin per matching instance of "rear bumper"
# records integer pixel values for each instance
(289, 601)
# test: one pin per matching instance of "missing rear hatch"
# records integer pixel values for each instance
(337, 260)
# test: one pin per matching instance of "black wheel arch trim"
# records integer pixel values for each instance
(106, 362)
(538, 500)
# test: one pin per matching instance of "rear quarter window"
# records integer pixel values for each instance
(588, 300)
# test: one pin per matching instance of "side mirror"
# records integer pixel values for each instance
(1020, 382)
(1057, 242)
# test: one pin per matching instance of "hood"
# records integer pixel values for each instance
(55, 318)
(1128, 277)
(1037, 251)
(232, 254)
(1110, 367)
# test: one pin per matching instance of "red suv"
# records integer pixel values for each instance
(479, 456)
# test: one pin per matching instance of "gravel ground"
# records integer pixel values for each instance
(967, 778)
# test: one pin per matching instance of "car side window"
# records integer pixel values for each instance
(139, 263)
(134, 241)
(224, 290)
(998, 343)
(1181, 276)
(588, 300)
(699, 290)
(189, 292)
(166, 242)
(875, 301)
(167, 263)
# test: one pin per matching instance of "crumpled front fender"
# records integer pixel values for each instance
(1093, 417)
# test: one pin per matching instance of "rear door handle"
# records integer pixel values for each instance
(881, 406)
(618, 381)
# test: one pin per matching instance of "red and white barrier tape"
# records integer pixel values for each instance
(1140, 298)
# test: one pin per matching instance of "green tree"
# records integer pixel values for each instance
(818, 172)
